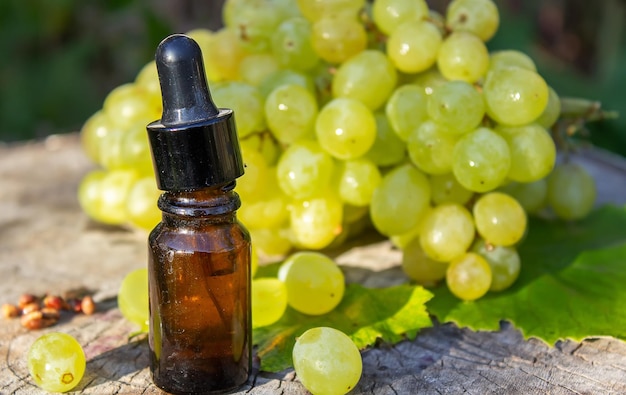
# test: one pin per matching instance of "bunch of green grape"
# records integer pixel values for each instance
(352, 114)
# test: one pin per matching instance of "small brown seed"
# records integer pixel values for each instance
(29, 308)
(10, 310)
(32, 320)
(76, 293)
(75, 305)
(54, 301)
(50, 313)
(26, 299)
(37, 320)
(87, 305)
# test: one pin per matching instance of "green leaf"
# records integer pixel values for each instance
(571, 284)
(365, 314)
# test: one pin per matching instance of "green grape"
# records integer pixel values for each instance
(132, 298)
(269, 301)
(271, 241)
(430, 148)
(253, 20)
(406, 109)
(438, 20)
(291, 45)
(92, 134)
(246, 102)
(111, 155)
(203, 37)
(90, 193)
(571, 191)
(511, 58)
(413, 46)
(135, 149)
(457, 106)
(103, 195)
(446, 189)
(141, 204)
(463, 56)
(358, 178)
(532, 196)
(315, 284)
(389, 14)
(368, 77)
(266, 144)
(499, 219)
(514, 96)
(345, 128)
(400, 200)
(469, 276)
(254, 68)
(419, 267)
(304, 169)
(481, 160)
(315, 10)
(255, 177)
(269, 210)
(291, 111)
(287, 8)
(316, 221)
(532, 149)
(479, 17)
(430, 80)
(402, 241)
(127, 105)
(114, 190)
(504, 261)
(446, 232)
(327, 361)
(254, 261)
(336, 38)
(285, 77)
(222, 52)
(551, 114)
(148, 80)
(388, 149)
(56, 362)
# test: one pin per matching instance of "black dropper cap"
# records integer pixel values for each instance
(194, 144)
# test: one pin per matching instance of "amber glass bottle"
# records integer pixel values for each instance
(199, 261)
(199, 292)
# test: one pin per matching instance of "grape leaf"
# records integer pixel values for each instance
(571, 284)
(364, 314)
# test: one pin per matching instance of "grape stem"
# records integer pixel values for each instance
(588, 110)
(575, 114)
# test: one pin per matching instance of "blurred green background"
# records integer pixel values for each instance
(60, 58)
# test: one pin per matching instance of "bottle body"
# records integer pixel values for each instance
(199, 282)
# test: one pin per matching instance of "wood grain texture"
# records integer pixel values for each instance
(48, 245)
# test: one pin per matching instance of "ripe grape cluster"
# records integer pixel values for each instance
(354, 113)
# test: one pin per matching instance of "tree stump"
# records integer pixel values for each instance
(47, 245)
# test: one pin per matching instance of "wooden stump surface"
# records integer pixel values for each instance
(47, 245)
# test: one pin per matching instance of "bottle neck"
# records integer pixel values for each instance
(218, 203)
